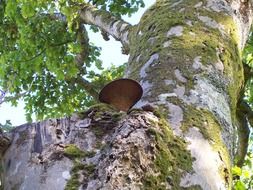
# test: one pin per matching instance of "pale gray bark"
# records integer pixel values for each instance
(115, 27)
(178, 76)
(121, 152)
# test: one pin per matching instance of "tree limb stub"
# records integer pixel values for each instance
(115, 27)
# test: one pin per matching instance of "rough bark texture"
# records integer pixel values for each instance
(103, 150)
(187, 56)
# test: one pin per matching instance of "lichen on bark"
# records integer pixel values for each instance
(171, 158)
(188, 60)
(186, 55)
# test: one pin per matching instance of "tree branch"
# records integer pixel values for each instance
(81, 57)
(117, 28)
(87, 86)
(32, 58)
(83, 40)
(55, 16)
(10, 98)
(244, 116)
(4, 98)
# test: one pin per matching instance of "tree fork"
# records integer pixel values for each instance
(186, 55)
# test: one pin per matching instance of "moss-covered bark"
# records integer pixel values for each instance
(213, 40)
(171, 158)
(186, 55)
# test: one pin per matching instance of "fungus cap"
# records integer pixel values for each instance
(121, 93)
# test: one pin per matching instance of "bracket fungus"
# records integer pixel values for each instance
(121, 93)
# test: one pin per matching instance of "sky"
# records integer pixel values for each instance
(111, 54)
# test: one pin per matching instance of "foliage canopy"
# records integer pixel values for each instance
(40, 41)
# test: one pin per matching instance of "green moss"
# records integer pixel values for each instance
(211, 130)
(171, 154)
(171, 157)
(161, 112)
(103, 116)
(206, 43)
(72, 152)
(79, 169)
(112, 113)
(89, 154)
(99, 131)
(155, 25)
(152, 182)
(73, 183)
(102, 107)
(117, 116)
(135, 110)
(88, 169)
(99, 145)
(101, 128)
(147, 39)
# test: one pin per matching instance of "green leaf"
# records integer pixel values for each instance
(239, 186)
(11, 8)
(236, 171)
(28, 10)
(37, 55)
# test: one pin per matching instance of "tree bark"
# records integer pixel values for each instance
(187, 57)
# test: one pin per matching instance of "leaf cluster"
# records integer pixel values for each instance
(119, 7)
(243, 177)
(39, 44)
(248, 62)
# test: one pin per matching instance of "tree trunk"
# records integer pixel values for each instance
(187, 57)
